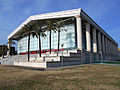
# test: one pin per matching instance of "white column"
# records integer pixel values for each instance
(79, 32)
(88, 38)
(8, 46)
(99, 42)
(103, 43)
(114, 48)
(110, 48)
(106, 45)
(94, 40)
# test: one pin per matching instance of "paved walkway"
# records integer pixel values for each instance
(44, 69)
(52, 68)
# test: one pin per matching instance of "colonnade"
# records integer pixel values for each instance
(105, 44)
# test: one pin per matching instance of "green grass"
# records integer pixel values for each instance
(89, 77)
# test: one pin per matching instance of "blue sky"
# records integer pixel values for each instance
(106, 13)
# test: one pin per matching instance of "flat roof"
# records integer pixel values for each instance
(60, 14)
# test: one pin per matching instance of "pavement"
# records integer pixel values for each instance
(51, 68)
(44, 69)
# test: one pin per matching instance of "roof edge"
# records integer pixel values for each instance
(60, 14)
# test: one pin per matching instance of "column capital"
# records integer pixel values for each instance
(93, 28)
(78, 16)
(87, 24)
(9, 40)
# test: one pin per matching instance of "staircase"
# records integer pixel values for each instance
(69, 56)
(10, 60)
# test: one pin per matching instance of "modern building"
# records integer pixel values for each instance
(82, 34)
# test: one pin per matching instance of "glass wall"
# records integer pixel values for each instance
(22, 45)
(66, 37)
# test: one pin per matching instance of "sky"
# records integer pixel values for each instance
(105, 13)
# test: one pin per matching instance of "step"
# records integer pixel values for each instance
(72, 51)
(46, 58)
(75, 54)
(50, 58)
(70, 58)
(55, 54)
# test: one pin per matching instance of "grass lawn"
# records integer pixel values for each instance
(89, 77)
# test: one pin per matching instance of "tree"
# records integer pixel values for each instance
(27, 31)
(56, 26)
(51, 27)
(59, 27)
(3, 50)
(39, 32)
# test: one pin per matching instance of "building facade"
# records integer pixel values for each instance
(66, 37)
(81, 33)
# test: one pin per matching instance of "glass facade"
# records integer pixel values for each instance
(66, 37)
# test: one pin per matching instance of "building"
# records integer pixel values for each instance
(83, 34)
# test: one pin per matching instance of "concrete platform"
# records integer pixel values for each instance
(45, 69)
(47, 64)
(38, 64)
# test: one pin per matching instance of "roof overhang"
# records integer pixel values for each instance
(61, 14)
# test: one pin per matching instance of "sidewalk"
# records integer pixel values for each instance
(44, 69)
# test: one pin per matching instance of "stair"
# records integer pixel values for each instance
(10, 60)
(73, 56)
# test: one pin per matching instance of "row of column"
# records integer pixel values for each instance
(105, 45)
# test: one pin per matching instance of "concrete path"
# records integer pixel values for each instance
(44, 69)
